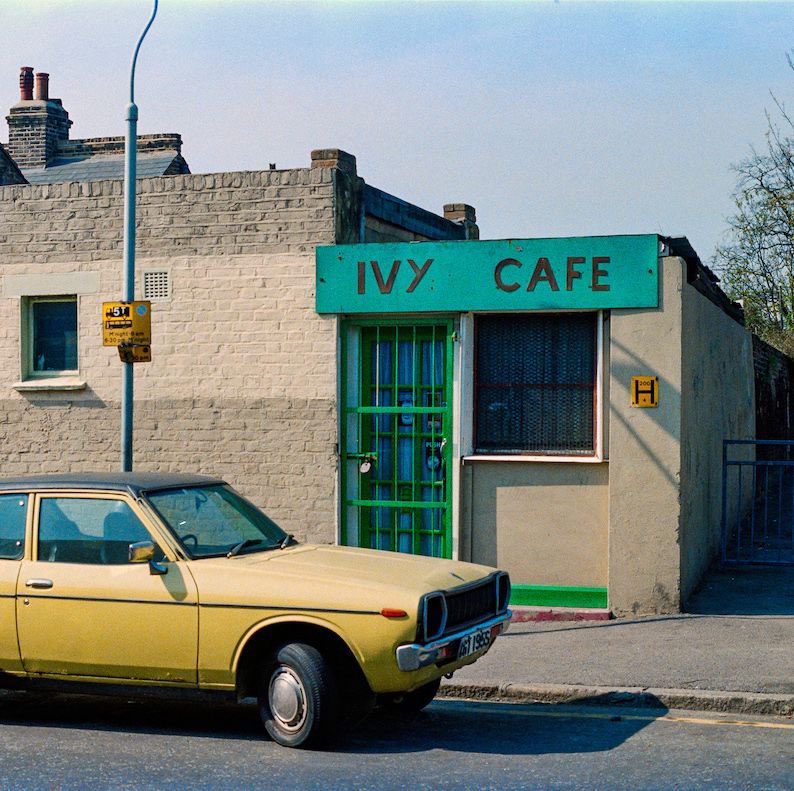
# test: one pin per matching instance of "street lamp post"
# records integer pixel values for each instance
(128, 294)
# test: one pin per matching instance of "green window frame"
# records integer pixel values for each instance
(49, 337)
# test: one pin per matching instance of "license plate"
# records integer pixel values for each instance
(474, 642)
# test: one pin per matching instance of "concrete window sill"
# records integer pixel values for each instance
(48, 385)
(535, 458)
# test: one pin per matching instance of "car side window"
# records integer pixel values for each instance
(88, 530)
(13, 514)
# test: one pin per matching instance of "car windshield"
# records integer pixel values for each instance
(211, 521)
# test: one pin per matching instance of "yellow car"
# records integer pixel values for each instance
(177, 582)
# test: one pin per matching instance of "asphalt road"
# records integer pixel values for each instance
(87, 743)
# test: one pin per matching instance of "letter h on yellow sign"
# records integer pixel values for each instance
(645, 391)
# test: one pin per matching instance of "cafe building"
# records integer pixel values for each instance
(554, 407)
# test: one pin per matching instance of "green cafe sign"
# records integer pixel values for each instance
(595, 272)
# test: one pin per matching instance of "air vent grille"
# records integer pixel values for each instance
(157, 284)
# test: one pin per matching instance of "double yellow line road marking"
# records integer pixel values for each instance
(618, 716)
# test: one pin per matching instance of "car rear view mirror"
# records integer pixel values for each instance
(143, 552)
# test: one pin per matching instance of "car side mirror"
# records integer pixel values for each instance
(143, 552)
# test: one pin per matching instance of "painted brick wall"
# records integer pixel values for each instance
(220, 213)
(243, 378)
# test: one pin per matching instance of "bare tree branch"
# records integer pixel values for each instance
(757, 263)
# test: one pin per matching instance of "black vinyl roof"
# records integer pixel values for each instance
(133, 482)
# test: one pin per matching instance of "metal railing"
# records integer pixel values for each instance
(758, 502)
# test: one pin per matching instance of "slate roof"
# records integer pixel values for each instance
(99, 168)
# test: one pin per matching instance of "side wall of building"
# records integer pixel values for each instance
(243, 378)
(718, 402)
(644, 454)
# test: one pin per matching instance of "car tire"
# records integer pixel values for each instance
(298, 702)
(412, 702)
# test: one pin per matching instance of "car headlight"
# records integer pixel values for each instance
(434, 616)
(502, 591)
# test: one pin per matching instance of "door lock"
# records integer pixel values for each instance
(365, 460)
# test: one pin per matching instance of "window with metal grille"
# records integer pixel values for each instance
(535, 383)
(156, 284)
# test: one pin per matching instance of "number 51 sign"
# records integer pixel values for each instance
(127, 323)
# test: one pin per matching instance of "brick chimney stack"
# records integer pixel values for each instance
(37, 125)
(464, 215)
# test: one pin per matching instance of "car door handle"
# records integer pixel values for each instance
(38, 583)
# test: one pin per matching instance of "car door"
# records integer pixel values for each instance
(84, 610)
(13, 518)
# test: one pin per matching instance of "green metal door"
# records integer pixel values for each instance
(396, 437)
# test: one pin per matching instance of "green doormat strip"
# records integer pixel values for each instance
(558, 596)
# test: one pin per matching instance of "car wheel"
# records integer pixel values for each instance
(412, 702)
(298, 701)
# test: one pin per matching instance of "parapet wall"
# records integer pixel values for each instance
(217, 213)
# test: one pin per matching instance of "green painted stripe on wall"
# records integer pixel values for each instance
(558, 596)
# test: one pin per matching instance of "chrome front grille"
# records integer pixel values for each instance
(469, 606)
(465, 606)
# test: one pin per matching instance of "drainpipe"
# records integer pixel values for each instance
(128, 295)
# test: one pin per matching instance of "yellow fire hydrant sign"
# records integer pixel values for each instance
(645, 391)
(128, 325)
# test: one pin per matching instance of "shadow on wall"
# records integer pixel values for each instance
(82, 399)
(669, 404)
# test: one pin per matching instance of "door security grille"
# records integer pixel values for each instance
(396, 430)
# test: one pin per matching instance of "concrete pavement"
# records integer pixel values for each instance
(733, 651)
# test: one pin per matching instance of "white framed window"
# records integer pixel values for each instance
(536, 388)
(49, 337)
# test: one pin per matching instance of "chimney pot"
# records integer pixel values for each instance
(26, 83)
(42, 86)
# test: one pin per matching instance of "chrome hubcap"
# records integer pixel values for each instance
(287, 698)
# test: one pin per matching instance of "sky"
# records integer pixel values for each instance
(550, 118)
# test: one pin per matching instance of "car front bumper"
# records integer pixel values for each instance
(445, 650)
